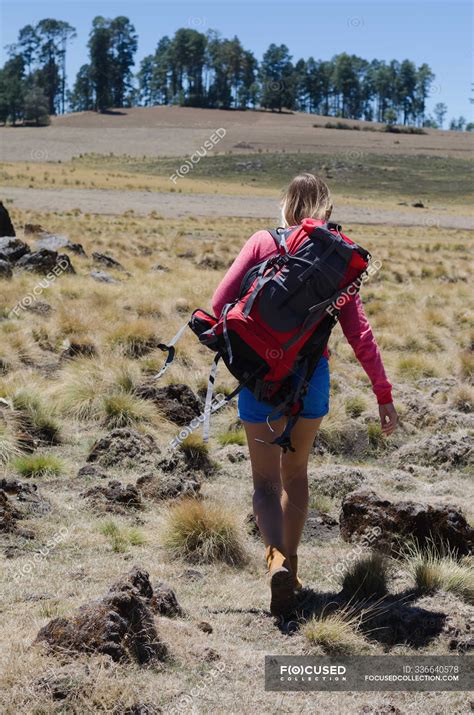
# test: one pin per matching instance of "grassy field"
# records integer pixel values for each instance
(74, 357)
(384, 178)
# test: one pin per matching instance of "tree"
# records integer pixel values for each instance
(277, 79)
(37, 106)
(457, 125)
(440, 111)
(101, 71)
(424, 80)
(81, 98)
(124, 45)
(12, 89)
(406, 94)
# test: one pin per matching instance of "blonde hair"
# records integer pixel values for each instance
(307, 196)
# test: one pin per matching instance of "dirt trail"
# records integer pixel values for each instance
(103, 201)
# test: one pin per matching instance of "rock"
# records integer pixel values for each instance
(40, 307)
(33, 228)
(251, 525)
(102, 277)
(12, 249)
(319, 527)
(158, 267)
(91, 471)
(336, 480)
(107, 261)
(351, 441)
(418, 204)
(205, 627)
(6, 226)
(26, 495)
(45, 261)
(115, 497)
(159, 486)
(363, 510)
(462, 643)
(77, 349)
(210, 261)
(124, 447)
(54, 242)
(450, 450)
(120, 625)
(5, 269)
(9, 516)
(177, 402)
(164, 601)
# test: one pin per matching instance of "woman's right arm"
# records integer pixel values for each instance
(257, 248)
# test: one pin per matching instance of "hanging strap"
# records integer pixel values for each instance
(225, 332)
(208, 401)
(208, 407)
(169, 347)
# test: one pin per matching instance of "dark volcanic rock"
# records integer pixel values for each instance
(5, 269)
(319, 527)
(107, 261)
(77, 349)
(363, 510)
(26, 495)
(54, 242)
(164, 601)
(456, 450)
(120, 625)
(177, 401)
(115, 497)
(44, 261)
(159, 486)
(12, 249)
(6, 226)
(124, 447)
(91, 471)
(9, 516)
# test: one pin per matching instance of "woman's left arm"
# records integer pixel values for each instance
(358, 332)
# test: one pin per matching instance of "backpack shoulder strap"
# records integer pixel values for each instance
(280, 235)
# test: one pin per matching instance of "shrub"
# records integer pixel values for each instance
(38, 465)
(233, 437)
(35, 416)
(121, 409)
(366, 577)
(336, 632)
(355, 406)
(202, 532)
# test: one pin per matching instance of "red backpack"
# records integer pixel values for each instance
(280, 323)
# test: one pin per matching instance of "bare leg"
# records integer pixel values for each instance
(265, 461)
(294, 474)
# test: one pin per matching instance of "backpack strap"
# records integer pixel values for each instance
(280, 235)
(170, 349)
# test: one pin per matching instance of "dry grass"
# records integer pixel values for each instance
(366, 577)
(202, 532)
(337, 632)
(72, 394)
(432, 569)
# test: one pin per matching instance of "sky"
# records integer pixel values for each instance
(439, 32)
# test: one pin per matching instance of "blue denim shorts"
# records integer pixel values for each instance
(315, 402)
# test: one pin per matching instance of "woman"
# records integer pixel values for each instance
(280, 480)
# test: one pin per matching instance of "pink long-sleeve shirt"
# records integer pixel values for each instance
(352, 317)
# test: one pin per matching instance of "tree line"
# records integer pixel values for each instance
(196, 69)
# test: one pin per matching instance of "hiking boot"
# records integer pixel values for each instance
(281, 582)
(297, 583)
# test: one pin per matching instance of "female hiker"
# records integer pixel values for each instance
(280, 480)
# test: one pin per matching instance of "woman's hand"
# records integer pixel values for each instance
(388, 418)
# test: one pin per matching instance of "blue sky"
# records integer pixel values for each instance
(438, 32)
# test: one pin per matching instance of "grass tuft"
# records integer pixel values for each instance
(202, 532)
(38, 465)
